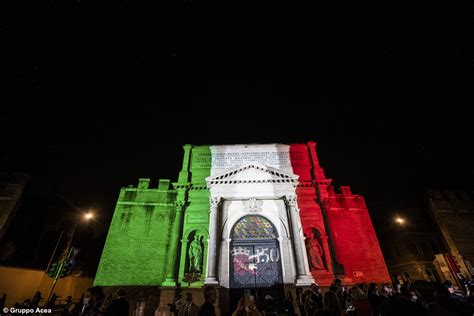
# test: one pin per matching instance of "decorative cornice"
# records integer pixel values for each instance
(181, 185)
(197, 187)
(145, 203)
(323, 182)
(278, 176)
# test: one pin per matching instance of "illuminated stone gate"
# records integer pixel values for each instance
(241, 215)
(247, 202)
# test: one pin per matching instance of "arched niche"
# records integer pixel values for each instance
(195, 248)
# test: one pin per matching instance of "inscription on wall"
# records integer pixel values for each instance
(227, 160)
(197, 219)
(235, 159)
(201, 160)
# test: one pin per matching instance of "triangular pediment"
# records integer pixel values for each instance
(252, 173)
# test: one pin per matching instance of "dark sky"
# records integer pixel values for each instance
(103, 94)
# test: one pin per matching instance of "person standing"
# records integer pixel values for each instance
(189, 308)
(176, 305)
(309, 305)
(52, 301)
(289, 304)
(36, 300)
(2, 301)
(210, 297)
(269, 306)
(68, 307)
(332, 307)
(341, 292)
(247, 307)
(375, 299)
(119, 306)
(107, 302)
(93, 302)
(300, 301)
(360, 302)
(317, 296)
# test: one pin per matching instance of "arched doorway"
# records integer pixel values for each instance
(255, 260)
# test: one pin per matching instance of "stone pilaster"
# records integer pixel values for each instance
(211, 269)
(184, 173)
(171, 270)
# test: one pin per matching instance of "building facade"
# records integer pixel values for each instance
(241, 217)
(11, 190)
(433, 243)
(410, 248)
(453, 215)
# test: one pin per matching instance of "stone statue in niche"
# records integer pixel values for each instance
(315, 253)
(195, 254)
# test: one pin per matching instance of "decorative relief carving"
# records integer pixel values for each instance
(252, 205)
(291, 200)
(215, 201)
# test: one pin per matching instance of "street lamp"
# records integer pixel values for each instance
(67, 252)
(88, 216)
(399, 220)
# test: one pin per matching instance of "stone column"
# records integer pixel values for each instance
(211, 269)
(303, 275)
(176, 234)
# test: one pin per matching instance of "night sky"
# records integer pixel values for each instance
(103, 94)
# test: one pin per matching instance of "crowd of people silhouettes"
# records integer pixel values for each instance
(419, 298)
(94, 303)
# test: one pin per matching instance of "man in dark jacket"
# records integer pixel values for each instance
(189, 308)
(119, 306)
(208, 309)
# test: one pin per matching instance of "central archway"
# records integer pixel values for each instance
(255, 257)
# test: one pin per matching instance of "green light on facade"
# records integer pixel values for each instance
(147, 242)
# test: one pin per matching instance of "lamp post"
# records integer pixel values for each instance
(66, 254)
